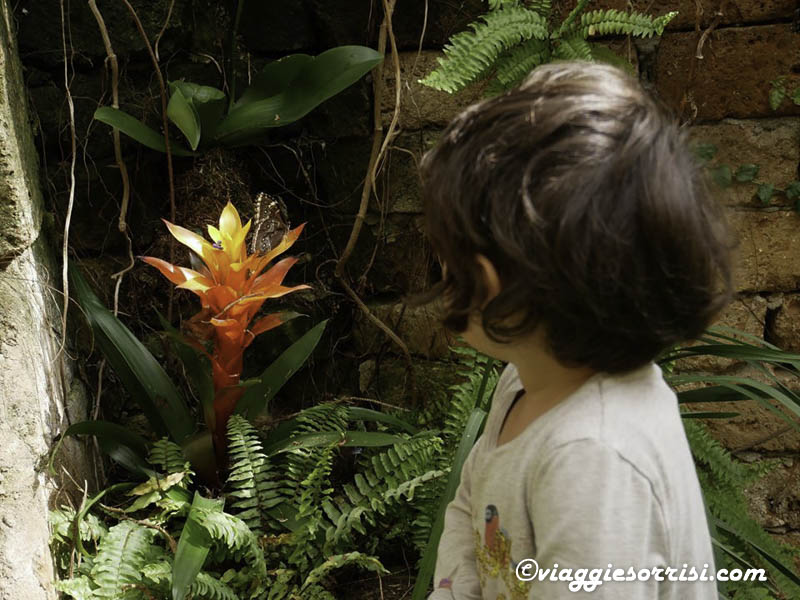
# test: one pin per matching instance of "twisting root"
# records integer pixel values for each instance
(165, 124)
(379, 145)
(68, 219)
(111, 57)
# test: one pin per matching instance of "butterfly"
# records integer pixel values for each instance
(270, 223)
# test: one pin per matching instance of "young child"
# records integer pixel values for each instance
(577, 241)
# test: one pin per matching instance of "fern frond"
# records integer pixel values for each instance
(168, 456)
(211, 588)
(338, 561)
(616, 22)
(301, 462)
(251, 479)
(710, 453)
(389, 475)
(495, 4)
(238, 540)
(61, 523)
(121, 555)
(471, 53)
(540, 7)
(573, 14)
(573, 48)
(728, 503)
(77, 588)
(515, 64)
(329, 416)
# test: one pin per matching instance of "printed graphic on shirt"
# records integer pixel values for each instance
(493, 554)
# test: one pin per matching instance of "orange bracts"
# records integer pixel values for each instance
(232, 288)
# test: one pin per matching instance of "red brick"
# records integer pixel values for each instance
(733, 79)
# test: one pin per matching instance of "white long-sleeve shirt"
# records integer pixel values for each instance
(604, 480)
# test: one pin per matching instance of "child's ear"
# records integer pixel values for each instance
(490, 278)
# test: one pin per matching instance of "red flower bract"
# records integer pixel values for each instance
(232, 286)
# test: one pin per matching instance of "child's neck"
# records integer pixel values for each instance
(546, 383)
(542, 376)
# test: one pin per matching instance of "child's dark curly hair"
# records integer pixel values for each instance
(582, 192)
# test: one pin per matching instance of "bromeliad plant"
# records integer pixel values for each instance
(232, 286)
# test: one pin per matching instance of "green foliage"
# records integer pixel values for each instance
(743, 541)
(286, 528)
(253, 485)
(747, 172)
(723, 481)
(117, 569)
(283, 92)
(514, 37)
(779, 92)
(160, 399)
(470, 406)
(616, 22)
(470, 54)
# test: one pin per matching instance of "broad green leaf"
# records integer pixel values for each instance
(363, 439)
(765, 192)
(705, 151)
(355, 413)
(193, 547)
(199, 451)
(183, 114)
(777, 93)
(747, 172)
(722, 175)
(209, 102)
(274, 78)
(712, 393)
(796, 96)
(140, 373)
(134, 128)
(256, 398)
(317, 80)
(125, 447)
(793, 190)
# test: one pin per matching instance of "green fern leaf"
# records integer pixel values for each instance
(120, 557)
(77, 588)
(573, 48)
(340, 560)
(495, 4)
(211, 588)
(616, 22)
(168, 456)
(471, 53)
(251, 479)
(514, 65)
(540, 7)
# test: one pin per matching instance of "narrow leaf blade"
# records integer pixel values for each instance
(140, 373)
(257, 397)
(134, 128)
(193, 547)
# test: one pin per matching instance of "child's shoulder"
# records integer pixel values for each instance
(634, 415)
